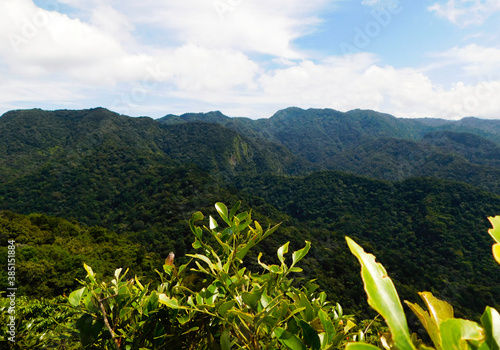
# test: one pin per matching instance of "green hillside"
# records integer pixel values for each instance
(51, 252)
(143, 179)
(377, 145)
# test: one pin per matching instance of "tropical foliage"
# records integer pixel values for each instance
(444, 330)
(216, 301)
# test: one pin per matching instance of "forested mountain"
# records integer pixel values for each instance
(378, 145)
(143, 178)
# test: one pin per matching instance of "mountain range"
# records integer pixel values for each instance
(416, 192)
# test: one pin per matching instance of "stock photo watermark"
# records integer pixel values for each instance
(140, 91)
(382, 17)
(11, 290)
(224, 6)
(30, 27)
(471, 104)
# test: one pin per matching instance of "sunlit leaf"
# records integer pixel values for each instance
(349, 325)
(117, 274)
(270, 231)
(382, 296)
(495, 231)
(75, 296)
(212, 223)
(90, 272)
(496, 252)
(170, 302)
(300, 254)
(261, 263)
(360, 346)
(222, 210)
(456, 332)
(438, 311)
(491, 323)
(283, 250)
(141, 287)
(202, 258)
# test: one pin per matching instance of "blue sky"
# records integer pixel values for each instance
(429, 58)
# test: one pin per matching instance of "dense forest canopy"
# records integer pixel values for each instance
(95, 187)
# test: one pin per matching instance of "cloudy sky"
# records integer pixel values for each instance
(410, 58)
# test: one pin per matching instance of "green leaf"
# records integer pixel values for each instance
(308, 309)
(222, 210)
(491, 323)
(455, 332)
(193, 329)
(90, 272)
(429, 324)
(438, 311)
(212, 223)
(261, 263)
(242, 315)
(265, 299)
(360, 346)
(75, 296)
(327, 325)
(196, 230)
(269, 231)
(349, 325)
(495, 231)
(288, 339)
(226, 306)
(252, 299)
(84, 326)
(496, 252)
(197, 243)
(382, 296)
(225, 340)
(117, 274)
(243, 249)
(168, 269)
(283, 250)
(139, 284)
(300, 254)
(204, 259)
(310, 335)
(234, 209)
(170, 302)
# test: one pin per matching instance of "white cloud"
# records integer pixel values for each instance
(471, 62)
(360, 83)
(200, 60)
(466, 12)
(94, 54)
(356, 82)
(247, 25)
(199, 69)
(44, 42)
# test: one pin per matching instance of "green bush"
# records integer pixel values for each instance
(213, 301)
